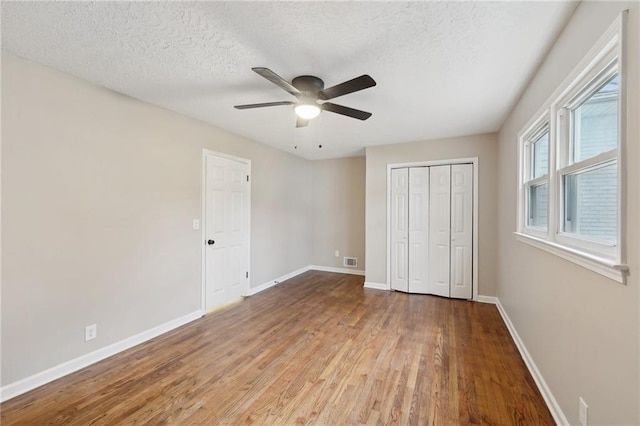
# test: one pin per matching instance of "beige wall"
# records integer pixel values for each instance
(581, 329)
(338, 217)
(482, 146)
(99, 192)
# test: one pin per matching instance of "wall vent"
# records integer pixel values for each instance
(351, 262)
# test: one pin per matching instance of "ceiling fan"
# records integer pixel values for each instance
(309, 90)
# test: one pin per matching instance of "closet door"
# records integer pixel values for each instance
(461, 230)
(439, 230)
(418, 229)
(399, 229)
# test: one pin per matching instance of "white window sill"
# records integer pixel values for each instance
(615, 271)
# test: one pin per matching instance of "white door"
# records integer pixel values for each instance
(432, 230)
(418, 229)
(399, 229)
(439, 230)
(226, 230)
(461, 230)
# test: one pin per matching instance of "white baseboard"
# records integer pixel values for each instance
(376, 286)
(553, 405)
(28, 383)
(338, 270)
(487, 299)
(269, 284)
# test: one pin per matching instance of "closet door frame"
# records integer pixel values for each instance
(470, 160)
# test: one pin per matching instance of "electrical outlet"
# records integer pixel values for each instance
(583, 410)
(196, 223)
(337, 253)
(90, 332)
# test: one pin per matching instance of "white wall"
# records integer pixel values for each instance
(338, 217)
(482, 146)
(99, 192)
(581, 329)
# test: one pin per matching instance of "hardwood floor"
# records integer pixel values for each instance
(317, 349)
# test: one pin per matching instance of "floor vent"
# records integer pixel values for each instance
(351, 262)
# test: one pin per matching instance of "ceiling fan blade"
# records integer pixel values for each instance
(265, 104)
(359, 83)
(349, 112)
(277, 80)
(301, 122)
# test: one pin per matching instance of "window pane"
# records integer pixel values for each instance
(595, 123)
(591, 203)
(540, 155)
(538, 204)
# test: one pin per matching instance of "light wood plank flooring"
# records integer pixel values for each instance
(317, 349)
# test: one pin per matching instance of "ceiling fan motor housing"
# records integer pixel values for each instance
(308, 84)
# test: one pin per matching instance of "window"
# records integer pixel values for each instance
(570, 195)
(594, 121)
(590, 203)
(537, 177)
(587, 170)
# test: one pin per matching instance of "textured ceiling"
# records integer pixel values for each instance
(443, 68)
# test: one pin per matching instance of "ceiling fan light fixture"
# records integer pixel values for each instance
(309, 90)
(307, 111)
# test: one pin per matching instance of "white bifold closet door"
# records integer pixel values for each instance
(461, 231)
(439, 231)
(431, 230)
(418, 229)
(400, 229)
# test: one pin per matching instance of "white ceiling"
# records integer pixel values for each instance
(443, 69)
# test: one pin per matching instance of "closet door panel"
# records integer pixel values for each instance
(461, 230)
(400, 229)
(439, 230)
(418, 229)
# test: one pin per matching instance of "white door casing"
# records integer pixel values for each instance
(461, 230)
(439, 230)
(418, 229)
(226, 230)
(399, 229)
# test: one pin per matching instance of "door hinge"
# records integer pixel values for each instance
(247, 178)
(247, 275)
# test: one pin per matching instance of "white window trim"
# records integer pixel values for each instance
(524, 137)
(605, 259)
(613, 270)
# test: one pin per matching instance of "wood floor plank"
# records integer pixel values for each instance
(317, 349)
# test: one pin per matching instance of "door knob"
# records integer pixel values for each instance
(211, 242)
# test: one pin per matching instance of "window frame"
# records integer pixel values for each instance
(603, 61)
(527, 142)
(600, 72)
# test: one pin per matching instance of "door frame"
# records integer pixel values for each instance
(203, 218)
(469, 160)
